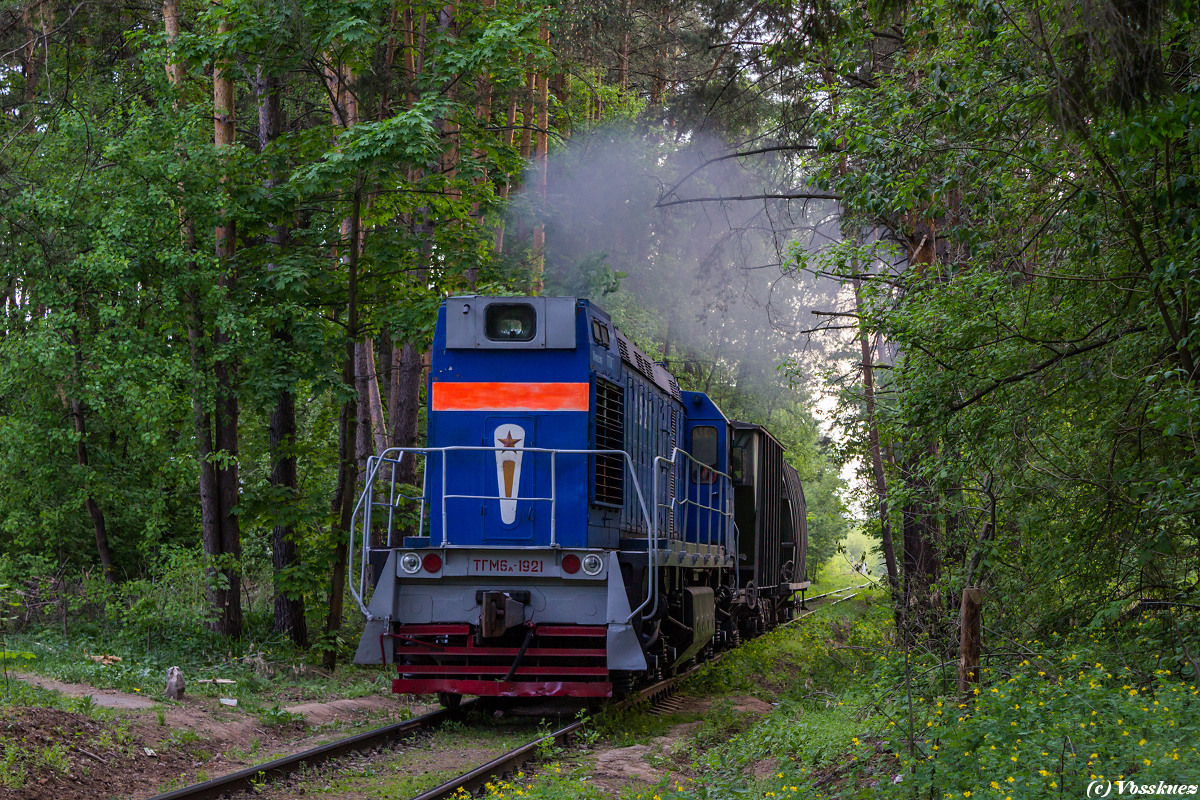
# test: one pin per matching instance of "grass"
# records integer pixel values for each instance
(159, 622)
(286, 679)
(1049, 717)
(812, 668)
(856, 562)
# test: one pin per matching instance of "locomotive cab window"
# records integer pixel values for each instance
(600, 333)
(510, 322)
(704, 450)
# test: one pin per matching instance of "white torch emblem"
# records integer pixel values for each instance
(508, 469)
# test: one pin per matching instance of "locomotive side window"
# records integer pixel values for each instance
(743, 457)
(704, 445)
(704, 450)
(510, 322)
(737, 457)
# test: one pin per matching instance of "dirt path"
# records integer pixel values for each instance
(150, 744)
(107, 698)
(615, 771)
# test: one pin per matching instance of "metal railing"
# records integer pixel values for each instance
(671, 502)
(362, 523)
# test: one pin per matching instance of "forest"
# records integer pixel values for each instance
(949, 252)
(229, 228)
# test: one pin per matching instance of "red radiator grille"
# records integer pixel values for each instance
(559, 660)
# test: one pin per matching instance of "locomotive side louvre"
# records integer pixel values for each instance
(610, 435)
(768, 536)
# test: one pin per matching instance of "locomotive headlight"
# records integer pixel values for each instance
(592, 564)
(410, 563)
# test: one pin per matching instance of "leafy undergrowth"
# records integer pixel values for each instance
(1049, 717)
(1071, 711)
(260, 675)
(126, 636)
(78, 754)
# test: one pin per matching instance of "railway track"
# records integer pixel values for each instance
(470, 781)
(246, 779)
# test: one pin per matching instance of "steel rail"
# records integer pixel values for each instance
(511, 761)
(835, 591)
(246, 779)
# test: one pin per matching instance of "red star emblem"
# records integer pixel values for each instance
(509, 441)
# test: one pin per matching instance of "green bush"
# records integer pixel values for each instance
(1068, 713)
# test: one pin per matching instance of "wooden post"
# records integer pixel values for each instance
(969, 638)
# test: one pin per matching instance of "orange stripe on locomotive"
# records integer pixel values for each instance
(492, 396)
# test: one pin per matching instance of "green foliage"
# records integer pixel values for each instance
(559, 782)
(1072, 710)
(278, 717)
(112, 298)
(12, 770)
(1018, 213)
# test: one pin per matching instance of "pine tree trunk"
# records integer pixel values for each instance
(363, 373)
(509, 137)
(922, 563)
(225, 425)
(541, 151)
(885, 527)
(343, 503)
(527, 112)
(285, 556)
(345, 114)
(38, 18)
(198, 348)
(289, 611)
(175, 70)
(920, 516)
(89, 503)
(623, 54)
(404, 405)
(75, 407)
(389, 61)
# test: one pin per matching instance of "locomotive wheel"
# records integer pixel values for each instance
(623, 682)
(733, 636)
(450, 700)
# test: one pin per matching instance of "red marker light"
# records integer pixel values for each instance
(432, 562)
(570, 563)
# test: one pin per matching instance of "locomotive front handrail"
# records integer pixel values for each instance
(395, 455)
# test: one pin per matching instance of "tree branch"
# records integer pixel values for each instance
(740, 197)
(1049, 362)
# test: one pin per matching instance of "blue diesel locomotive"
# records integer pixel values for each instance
(582, 524)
